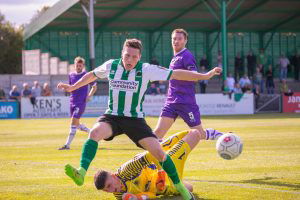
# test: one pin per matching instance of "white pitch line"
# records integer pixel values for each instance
(244, 186)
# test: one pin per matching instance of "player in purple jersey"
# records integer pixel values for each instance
(78, 99)
(181, 100)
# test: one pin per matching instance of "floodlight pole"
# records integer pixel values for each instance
(224, 37)
(91, 35)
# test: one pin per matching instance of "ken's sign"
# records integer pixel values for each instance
(45, 107)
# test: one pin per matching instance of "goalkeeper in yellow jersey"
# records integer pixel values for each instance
(142, 177)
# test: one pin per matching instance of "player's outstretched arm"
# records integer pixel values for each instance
(86, 79)
(92, 92)
(186, 75)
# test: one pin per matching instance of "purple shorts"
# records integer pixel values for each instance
(189, 113)
(77, 110)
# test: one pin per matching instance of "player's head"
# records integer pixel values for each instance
(131, 53)
(79, 63)
(107, 181)
(179, 39)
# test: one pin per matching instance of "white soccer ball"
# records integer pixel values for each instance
(229, 146)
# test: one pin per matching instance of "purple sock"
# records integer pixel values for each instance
(212, 134)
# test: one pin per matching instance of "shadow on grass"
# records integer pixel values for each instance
(180, 198)
(265, 181)
(259, 181)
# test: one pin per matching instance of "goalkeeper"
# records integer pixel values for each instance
(142, 178)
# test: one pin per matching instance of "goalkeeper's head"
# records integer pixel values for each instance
(107, 181)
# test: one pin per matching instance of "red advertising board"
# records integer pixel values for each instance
(291, 104)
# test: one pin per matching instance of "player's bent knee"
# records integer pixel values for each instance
(158, 154)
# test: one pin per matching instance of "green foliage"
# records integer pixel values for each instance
(11, 44)
(31, 167)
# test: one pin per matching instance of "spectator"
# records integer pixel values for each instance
(251, 63)
(229, 83)
(204, 62)
(2, 94)
(237, 89)
(153, 90)
(46, 91)
(283, 64)
(203, 83)
(258, 81)
(295, 61)
(284, 88)
(238, 66)
(262, 60)
(245, 83)
(162, 87)
(270, 80)
(36, 90)
(14, 93)
(154, 61)
(26, 92)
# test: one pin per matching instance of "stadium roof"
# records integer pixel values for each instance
(157, 15)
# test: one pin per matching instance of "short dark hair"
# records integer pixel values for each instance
(133, 43)
(100, 178)
(180, 30)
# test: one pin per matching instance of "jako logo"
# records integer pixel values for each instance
(6, 109)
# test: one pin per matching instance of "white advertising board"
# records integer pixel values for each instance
(96, 106)
(46, 107)
(219, 104)
(209, 104)
(153, 104)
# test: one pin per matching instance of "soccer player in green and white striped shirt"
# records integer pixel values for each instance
(128, 81)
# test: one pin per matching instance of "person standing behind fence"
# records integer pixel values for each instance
(36, 89)
(203, 83)
(270, 80)
(2, 94)
(238, 67)
(296, 63)
(251, 63)
(204, 62)
(46, 91)
(262, 61)
(14, 93)
(26, 92)
(283, 64)
(78, 100)
(258, 83)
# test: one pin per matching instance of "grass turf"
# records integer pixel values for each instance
(31, 167)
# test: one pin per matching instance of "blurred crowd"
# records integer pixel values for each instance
(27, 91)
(252, 74)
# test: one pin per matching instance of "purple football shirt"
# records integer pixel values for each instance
(182, 91)
(78, 96)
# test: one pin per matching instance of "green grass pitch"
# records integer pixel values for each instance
(31, 167)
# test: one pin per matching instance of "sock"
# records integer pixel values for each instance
(183, 191)
(89, 150)
(71, 135)
(82, 127)
(212, 134)
(170, 169)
